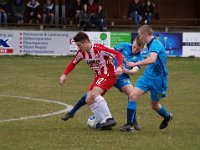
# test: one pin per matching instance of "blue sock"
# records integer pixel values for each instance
(79, 104)
(131, 109)
(162, 112)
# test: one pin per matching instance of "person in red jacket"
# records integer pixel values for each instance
(100, 60)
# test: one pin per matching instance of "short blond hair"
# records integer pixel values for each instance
(146, 29)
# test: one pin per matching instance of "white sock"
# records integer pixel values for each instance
(103, 106)
(97, 112)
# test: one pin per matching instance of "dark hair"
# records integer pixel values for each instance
(81, 36)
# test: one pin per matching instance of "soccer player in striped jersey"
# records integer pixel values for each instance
(100, 60)
(131, 52)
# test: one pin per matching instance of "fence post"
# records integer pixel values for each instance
(56, 11)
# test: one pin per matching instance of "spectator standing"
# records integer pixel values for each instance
(148, 10)
(18, 10)
(49, 12)
(84, 18)
(135, 11)
(33, 12)
(3, 11)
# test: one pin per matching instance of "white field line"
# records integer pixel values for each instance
(67, 108)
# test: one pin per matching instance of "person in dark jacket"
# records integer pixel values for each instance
(100, 17)
(148, 10)
(84, 18)
(33, 12)
(18, 10)
(135, 11)
(3, 11)
(49, 12)
(77, 6)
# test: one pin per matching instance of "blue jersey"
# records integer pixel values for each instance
(128, 56)
(126, 50)
(157, 69)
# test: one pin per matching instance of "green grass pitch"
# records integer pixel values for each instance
(37, 77)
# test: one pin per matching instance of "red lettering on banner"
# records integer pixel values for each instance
(6, 50)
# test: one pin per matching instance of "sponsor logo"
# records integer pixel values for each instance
(5, 48)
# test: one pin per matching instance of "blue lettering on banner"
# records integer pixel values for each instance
(3, 43)
(39, 51)
(37, 42)
(37, 38)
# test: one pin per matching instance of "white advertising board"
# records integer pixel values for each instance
(15, 42)
(45, 42)
(95, 37)
(34, 43)
(191, 44)
(9, 42)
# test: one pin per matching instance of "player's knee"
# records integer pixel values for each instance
(89, 101)
(91, 98)
(155, 106)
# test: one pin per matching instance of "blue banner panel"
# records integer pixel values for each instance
(171, 41)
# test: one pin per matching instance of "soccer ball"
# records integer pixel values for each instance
(93, 122)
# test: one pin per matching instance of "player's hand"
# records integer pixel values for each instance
(119, 70)
(62, 79)
(126, 71)
(130, 64)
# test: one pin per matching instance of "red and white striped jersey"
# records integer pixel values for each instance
(100, 60)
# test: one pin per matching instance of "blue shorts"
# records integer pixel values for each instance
(122, 81)
(157, 87)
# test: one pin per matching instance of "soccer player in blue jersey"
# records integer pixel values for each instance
(154, 79)
(130, 53)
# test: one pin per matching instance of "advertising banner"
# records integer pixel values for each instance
(15, 42)
(95, 37)
(45, 42)
(34, 42)
(9, 43)
(191, 44)
(171, 41)
(118, 37)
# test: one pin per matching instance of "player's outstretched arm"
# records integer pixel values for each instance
(69, 68)
(132, 71)
(149, 60)
(62, 79)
